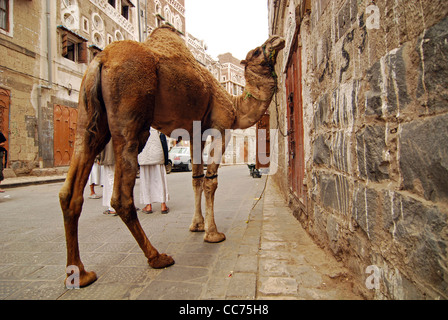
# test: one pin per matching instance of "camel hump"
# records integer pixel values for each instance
(167, 43)
(169, 27)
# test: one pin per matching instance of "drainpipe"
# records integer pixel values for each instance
(146, 20)
(49, 52)
(40, 133)
(139, 22)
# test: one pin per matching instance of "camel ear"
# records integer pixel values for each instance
(244, 62)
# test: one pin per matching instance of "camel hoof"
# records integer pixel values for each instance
(214, 237)
(161, 261)
(85, 279)
(197, 227)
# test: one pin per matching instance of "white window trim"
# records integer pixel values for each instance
(85, 25)
(10, 33)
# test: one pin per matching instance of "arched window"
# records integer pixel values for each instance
(178, 23)
(158, 8)
(118, 35)
(168, 15)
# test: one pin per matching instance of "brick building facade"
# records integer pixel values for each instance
(363, 160)
(46, 47)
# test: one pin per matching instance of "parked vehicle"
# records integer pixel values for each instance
(180, 158)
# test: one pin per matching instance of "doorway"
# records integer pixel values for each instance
(295, 123)
(65, 121)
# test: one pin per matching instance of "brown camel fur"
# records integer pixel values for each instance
(131, 86)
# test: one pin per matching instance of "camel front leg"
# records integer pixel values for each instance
(126, 166)
(197, 224)
(210, 185)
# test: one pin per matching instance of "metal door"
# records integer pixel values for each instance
(295, 123)
(65, 120)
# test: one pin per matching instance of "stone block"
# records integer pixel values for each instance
(387, 78)
(341, 151)
(333, 234)
(366, 210)
(278, 286)
(321, 151)
(334, 192)
(434, 66)
(371, 144)
(423, 159)
(418, 229)
(322, 114)
(396, 86)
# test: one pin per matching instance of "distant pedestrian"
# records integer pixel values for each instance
(153, 182)
(3, 157)
(95, 179)
(107, 161)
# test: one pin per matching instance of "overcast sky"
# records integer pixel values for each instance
(235, 26)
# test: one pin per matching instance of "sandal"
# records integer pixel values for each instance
(166, 211)
(146, 211)
(108, 212)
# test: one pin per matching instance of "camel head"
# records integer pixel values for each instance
(261, 60)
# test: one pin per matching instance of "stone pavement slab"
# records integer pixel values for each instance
(267, 254)
(291, 265)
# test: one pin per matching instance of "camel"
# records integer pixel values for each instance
(132, 86)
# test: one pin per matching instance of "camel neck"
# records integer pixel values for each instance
(250, 108)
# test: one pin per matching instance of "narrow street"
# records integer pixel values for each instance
(267, 255)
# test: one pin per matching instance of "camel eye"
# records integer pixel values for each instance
(257, 53)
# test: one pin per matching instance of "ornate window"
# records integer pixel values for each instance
(178, 23)
(70, 15)
(97, 22)
(74, 46)
(158, 7)
(118, 35)
(98, 39)
(110, 39)
(85, 25)
(168, 15)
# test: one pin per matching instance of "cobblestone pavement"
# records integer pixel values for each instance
(267, 255)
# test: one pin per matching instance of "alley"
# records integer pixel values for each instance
(267, 255)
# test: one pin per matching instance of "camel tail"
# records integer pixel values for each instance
(92, 99)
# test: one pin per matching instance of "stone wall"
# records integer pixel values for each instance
(19, 74)
(375, 91)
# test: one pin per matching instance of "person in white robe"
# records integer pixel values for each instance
(107, 162)
(153, 182)
(95, 179)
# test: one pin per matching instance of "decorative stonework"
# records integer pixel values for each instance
(175, 4)
(104, 6)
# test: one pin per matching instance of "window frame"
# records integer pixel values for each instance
(8, 19)
(79, 43)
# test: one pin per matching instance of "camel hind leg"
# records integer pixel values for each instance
(91, 137)
(197, 223)
(71, 199)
